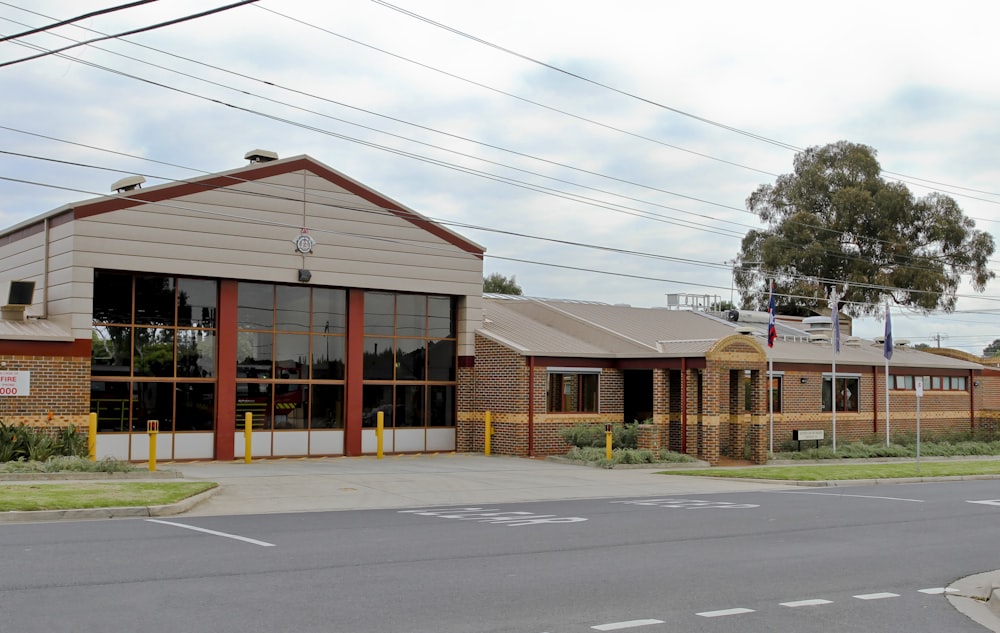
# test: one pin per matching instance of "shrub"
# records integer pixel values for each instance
(587, 435)
(598, 456)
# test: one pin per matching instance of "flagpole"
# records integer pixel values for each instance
(835, 341)
(772, 333)
(887, 352)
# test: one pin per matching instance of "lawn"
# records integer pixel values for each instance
(842, 472)
(66, 496)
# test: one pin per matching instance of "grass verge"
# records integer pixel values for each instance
(841, 472)
(69, 496)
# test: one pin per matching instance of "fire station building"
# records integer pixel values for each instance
(283, 289)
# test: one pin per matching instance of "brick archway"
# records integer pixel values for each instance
(726, 429)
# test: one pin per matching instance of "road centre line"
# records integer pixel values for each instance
(806, 603)
(616, 626)
(832, 494)
(723, 612)
(933, 591)
(213, 532)
(877, 596)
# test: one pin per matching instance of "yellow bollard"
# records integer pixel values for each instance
(379, 432)
(92, 438)
(247, 437)
(607, 441)
(153, 429)
(488, 434)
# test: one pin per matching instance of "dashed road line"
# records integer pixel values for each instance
(724, 612)
(806, 603)
(877, 596)
(938, 590)
(617, 626)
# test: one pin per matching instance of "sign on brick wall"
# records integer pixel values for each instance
(15, 383)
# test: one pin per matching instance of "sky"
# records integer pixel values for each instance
(598, 151)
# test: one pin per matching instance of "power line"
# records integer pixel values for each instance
(78, 18)
(143, 29)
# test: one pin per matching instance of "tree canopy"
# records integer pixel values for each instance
(993, 349)
(835, 222)
(499, 284)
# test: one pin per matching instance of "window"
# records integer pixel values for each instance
(571, 392)
(775, 394)
(847, 393)
(290, 356)
(410, 361)
(931, 383)
(153, 352)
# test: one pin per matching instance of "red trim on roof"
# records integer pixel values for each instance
(79, 347)
(137, 197)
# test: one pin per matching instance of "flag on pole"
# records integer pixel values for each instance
(772, 332)
(834, 300)
(887, 345)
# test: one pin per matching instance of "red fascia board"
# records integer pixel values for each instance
(266, 170)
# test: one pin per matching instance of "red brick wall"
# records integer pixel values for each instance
(60, 385)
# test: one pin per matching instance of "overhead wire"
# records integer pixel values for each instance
(79, 18)
(186, 92)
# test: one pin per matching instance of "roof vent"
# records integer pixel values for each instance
(260, 156)
(744, 330)
(128, 183)
(852, 341)
(819, 338)
(903, 342)
(733, 315)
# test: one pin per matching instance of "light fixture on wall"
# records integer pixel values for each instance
(304, 275)
(803, 380)
(975, 383)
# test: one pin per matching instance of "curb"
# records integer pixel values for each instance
(109, 513)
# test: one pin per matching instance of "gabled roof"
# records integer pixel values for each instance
(587, 329)
(232, 179)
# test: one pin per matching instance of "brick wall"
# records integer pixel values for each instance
(60, 386)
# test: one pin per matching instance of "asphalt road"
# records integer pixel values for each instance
(872, 558)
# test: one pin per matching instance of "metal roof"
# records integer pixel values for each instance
(555, 327)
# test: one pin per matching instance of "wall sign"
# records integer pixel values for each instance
(15, 383)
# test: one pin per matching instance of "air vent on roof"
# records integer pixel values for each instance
(879, 340)
(744, 330)
(733, 315)
(819, 338)
(260, 156)
(852, 341)
(127, 183)
(903, 342)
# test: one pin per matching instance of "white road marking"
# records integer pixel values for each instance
(988, 502)
(877, 596)
(834, 494)
(723, 612)
(806, 603)
(213, 532)
(938, 590)
(615, 626)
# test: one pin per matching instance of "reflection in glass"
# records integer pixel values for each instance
(409, 406)
(442, 405)
(410, 357)
(378, 359)
(195, 406)
(327, 407)
(292, 308)
(154, 300)
(441, 360)
(328, 357)
(112, 297)
(291, 356)
(255, 306)
(152, 401)
(195, 353)
(254, 354)
(440, 319)
(329, 310)
(379, 307)
(375, 399)
(411, 315)
(197, 302)
(110, 350)
(154, 352)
